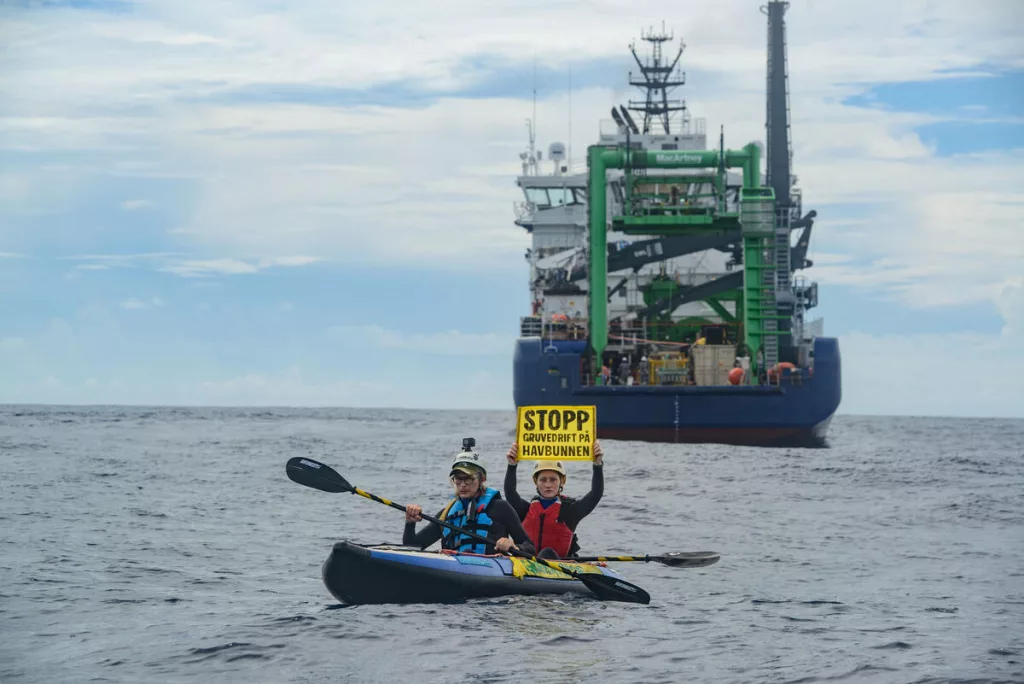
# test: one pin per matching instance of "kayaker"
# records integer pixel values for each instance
(488, 514)
(550, 518)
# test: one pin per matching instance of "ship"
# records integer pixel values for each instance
(701, 333)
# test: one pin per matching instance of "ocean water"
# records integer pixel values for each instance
(167, 545)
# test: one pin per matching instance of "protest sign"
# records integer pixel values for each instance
(556, 433)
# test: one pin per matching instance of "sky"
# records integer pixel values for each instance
(311, 203)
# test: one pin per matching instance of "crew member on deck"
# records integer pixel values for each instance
(645, 371)
(551, 518)
(476, 508)
(625, 373)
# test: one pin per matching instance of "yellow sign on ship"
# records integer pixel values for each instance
(556, 433)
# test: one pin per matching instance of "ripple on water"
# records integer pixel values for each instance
(841, 564)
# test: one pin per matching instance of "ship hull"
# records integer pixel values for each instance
(789, 414)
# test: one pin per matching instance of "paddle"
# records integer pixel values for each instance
(673, 559)
(310, 473)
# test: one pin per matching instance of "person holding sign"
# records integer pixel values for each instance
(551, 518)
(476, 508)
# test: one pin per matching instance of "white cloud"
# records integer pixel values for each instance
(317, 44)
(143, 258)
(136, 204)
(433, 184)
(198, 268)
(173, 262)
(289, 388)
(943, 375)
(288, 261)
(134, 303)
(12, 344)
(939, 374)
(1010, 302)
(449, 342)
(10, 255)
(179, 39)
(292, 387)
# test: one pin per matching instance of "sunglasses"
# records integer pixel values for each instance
(463, 479)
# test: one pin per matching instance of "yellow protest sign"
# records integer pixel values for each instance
(556, 433)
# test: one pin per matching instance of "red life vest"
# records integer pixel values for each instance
(545, 529)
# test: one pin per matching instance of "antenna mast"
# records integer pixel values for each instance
(659, 78)
(534, 99)
(530, 157)
(570, 119)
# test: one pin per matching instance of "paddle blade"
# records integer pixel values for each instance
(609, 588)
(691, 559)
(317, 475)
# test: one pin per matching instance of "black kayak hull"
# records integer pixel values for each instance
(358, 574)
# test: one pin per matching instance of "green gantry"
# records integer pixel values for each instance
(756, 219)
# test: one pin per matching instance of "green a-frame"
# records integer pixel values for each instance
(756, 302)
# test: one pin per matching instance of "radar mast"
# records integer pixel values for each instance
(657, 79)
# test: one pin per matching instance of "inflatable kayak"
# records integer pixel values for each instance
(355, 573)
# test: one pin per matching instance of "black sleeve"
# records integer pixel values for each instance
(520, 506)
(503, 514)
(581, 508)
(424, 538)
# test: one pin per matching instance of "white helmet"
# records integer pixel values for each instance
(556, 466)
(467, 462)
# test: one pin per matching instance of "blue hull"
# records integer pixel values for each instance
(358, 574)
(781, 415)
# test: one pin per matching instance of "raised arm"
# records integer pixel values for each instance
(520, 506)
(585, 505)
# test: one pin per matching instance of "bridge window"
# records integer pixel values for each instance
(538, 197)
(560, 197)
(544, 198)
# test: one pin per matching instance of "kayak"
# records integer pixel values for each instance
(356, 574)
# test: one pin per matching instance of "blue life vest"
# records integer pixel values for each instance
(474, 520)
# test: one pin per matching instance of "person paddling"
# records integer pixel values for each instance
(476, 508)
(551, 518)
